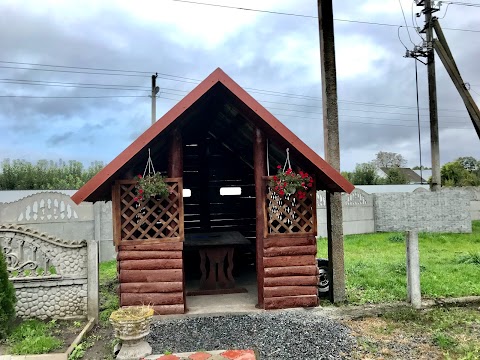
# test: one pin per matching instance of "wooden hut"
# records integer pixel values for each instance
(218, 136)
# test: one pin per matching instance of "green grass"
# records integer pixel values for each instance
(453, 330)
(376, 272)
(33, 337)
(108, 289)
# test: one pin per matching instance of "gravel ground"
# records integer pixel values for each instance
(285, 335)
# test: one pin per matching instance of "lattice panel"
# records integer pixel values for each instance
(287, 214)
(152, 218)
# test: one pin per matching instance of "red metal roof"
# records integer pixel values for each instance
(89, 191)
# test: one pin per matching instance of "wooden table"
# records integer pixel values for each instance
(217, 248)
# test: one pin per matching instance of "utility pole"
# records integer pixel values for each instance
(332, 149)
(155, 90)
(432, 95)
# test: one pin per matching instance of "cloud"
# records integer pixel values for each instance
(376, 85)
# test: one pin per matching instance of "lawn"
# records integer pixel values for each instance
(376, 271)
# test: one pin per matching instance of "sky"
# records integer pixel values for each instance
(55, 105)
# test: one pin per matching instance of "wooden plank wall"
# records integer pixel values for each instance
(290, 271)
(152, 274)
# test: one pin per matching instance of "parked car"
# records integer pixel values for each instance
(323, 278)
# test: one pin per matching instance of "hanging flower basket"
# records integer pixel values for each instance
(152, 185)
(288, 182)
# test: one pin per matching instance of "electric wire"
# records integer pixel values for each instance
(302, 15)
(405, 19)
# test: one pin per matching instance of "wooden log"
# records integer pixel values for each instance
(141, 255)
(282, 291)
(291, 271)
(291, 281)
(286, 240)
(130, 299)
(169, 309)
(168, 275)
(290, 250)
(159, 245)
(280, 261)
(151, 264)
(156, 287)
(291, 302)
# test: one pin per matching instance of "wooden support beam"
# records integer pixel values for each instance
(142, 255)
(156, 287)
(282, 291)
(168, 275)
(175, 155)
(131, 299)
(259, 161)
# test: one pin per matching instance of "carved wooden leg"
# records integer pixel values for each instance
(203, 269)
(231, 281)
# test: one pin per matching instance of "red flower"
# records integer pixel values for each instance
(310, 185)
(139, 176)
(281, 193)
(140, 191)
(303, 184)
(140, 197)
(135, 198)
(279, 166)
(275, 178)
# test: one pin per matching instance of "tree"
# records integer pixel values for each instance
(385, 159)
(45, 175)
(469, 163)
(455, 174)
(7, 299)
(365, 174)
(396, 176)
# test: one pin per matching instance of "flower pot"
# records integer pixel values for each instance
(290, 190)
(131, 325)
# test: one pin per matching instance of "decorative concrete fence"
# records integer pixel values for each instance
(358, 213)
(55, 273)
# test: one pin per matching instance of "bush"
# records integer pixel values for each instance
(7, 299)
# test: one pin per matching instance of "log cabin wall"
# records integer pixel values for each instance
(289, 251)
(149, 239)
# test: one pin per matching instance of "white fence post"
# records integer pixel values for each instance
(413, 270)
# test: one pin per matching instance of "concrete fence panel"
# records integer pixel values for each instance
(49, 274)
(441, 211)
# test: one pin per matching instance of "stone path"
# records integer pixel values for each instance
(208, 355)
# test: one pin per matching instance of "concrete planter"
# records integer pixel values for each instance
(131, 325)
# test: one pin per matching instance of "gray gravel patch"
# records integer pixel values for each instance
(282, 335)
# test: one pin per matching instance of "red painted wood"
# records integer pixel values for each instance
(259, 160)
(98, 187)
(156, 287)
(162, 245)
(142, 255)
(282, 291)
(170, 275)
(291, 281)
(131, 299)
(279, 261)
(291, 271)
(291, 302)
(281, 240)
(151, 264)
(290, 250)
(169, 309)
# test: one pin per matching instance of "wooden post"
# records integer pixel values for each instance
(259, 170)
(175, 156)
